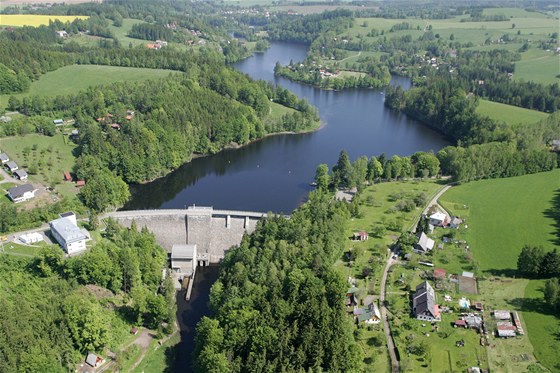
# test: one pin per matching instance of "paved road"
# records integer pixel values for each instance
(434, 201)
(386, 325)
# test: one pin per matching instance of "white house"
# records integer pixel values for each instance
(66, 232)
(20, 174)
(11, 166)
(183, 259)
(424, 244)
(21, 193)
(439, 219)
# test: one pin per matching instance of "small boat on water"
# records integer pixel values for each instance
(313, 184)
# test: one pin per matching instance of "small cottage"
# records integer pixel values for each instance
(361, 236)
(11, 166)
(424, 244)
(439, 219)
(21, 193)
(4, 158)
(20, 174)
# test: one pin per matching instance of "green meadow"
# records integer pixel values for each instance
(71, 79)
(502, 216)
(509, 114)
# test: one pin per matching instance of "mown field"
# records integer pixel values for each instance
(33, 20)
(512, 115)
(71, 79)
(539, 66)
(502, 216)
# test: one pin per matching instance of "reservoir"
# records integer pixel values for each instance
(274, 174)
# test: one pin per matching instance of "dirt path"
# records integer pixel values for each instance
(434, 201)
(356, 55)
(386, 325)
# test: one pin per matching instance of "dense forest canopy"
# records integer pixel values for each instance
(279, 304)
(61, 309)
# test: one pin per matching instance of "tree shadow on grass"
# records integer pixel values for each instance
(503, 272)
(554, 213)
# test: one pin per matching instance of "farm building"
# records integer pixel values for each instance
(505, 330)
(58, 122)
(502, 315)
(424, 305)
(66, 232)
(21, 193)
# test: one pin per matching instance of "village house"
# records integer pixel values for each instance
(505, 329)
(21, 193)
(20, 174)
(4, 158)
(11, 166)
(58, 122)
(369, 314)
(361, 236)
(66, 232)
(62, 34)
(424, 244)
(93, 360)
(424, 305)
(439, 219)
(455, 222)
(502, 315)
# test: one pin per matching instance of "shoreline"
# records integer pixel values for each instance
(234, 146)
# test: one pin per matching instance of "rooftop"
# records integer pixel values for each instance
(20, 190)
(67, 230)
(183, 251)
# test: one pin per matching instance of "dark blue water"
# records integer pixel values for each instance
(274, 174)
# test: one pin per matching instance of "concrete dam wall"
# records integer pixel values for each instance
(213, 231)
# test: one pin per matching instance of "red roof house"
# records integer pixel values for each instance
(80, 183)
(67, 176)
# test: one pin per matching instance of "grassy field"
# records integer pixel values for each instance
(510, 114)
(71, 79)
(22, 250)
(539, 66)
(505, 214)
(33, 20)
(122, 32)
(502, 216)
(51, 155)
(277, 111)
(157, 357)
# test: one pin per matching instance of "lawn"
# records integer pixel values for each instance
(512, 115)
(33, 20)
(18, 249)
(503, 215)
(70, 79)
(122, 32)
(157, 357)
(52, 156)
(277, 111)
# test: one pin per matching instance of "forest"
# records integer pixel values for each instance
(61, 309)
(279, 304)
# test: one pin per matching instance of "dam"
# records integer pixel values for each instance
(212, 231)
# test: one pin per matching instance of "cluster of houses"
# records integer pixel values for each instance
(18, 193)
(157, 45)
(12, 167)
(507, 324)
(112, 120)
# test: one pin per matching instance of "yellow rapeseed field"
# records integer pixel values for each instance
(33, 20)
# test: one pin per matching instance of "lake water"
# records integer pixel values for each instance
(274, 174)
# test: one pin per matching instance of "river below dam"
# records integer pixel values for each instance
(273, 174)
